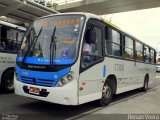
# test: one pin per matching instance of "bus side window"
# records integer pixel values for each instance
(146, 54)
(155, 54)
(106, 38)
(152, 56)
(8, 39)
(19, 37)
(128, 49)
(3, 36)
(92, 47)
(114, 43)
(139, 51)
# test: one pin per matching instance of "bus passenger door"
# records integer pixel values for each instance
(92, 66)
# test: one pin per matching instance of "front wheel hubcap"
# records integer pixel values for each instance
(106, 92)
(9, 83)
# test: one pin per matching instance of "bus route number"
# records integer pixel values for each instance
(119, 67)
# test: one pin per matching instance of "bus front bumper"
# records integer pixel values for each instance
(66, 95)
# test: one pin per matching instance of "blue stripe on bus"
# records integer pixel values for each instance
(45, 61)
(104, 71)
(41, 78)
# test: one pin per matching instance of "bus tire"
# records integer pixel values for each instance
(145, 85)
(7, 81)
(107, 93)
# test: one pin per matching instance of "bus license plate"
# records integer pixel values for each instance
(34, 90)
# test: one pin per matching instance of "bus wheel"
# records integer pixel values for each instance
(7, 81)
(145, 86)
(107, 93)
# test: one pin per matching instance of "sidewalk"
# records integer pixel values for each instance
(143, 106)
(148, 103)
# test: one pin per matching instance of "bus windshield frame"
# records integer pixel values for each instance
(52, 40)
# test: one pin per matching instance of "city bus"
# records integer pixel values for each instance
(75, 58)
(10, 36)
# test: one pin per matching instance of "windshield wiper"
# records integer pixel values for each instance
(33, 42)
(53, 47)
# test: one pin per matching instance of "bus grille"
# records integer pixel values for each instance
(40, 82)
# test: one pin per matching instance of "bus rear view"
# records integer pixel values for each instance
(44, 64)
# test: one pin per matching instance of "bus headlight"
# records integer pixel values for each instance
(65, 80)
(16, 76)
(69, 77)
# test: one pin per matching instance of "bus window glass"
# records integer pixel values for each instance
(113, 44)
(113, 49)
(139, 51)
(128, 52)
(115, 37)
(128, 42)
(152, 56)
(98, 44)
(146, 54)
(8, 39)
(92, 48)
(20, 36)
(56, 38)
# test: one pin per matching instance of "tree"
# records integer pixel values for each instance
(49, 4)
(36, 1)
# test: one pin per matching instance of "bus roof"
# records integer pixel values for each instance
(72, 13)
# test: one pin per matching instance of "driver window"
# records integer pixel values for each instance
(92, 45)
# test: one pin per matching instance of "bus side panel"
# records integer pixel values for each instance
(6, 61)
(92, 80)
(151, 70)
(1, 72)
(90, 83)
(116, 67)
(134, 74)
(140, 74)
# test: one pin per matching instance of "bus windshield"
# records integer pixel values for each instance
(53, 39)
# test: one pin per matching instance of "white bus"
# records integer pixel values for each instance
(74, 58)
(10, 36)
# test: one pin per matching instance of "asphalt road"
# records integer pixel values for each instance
(27, 108)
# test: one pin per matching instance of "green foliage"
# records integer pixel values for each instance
(49, 4)
(37, 1)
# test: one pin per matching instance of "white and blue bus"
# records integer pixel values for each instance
(74, 58)
(10, 37)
